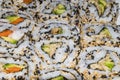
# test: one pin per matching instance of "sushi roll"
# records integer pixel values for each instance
(13, 68)
(99, 63)
(60, 36)
(56, 51)
(95, 35)
(57, 9)
(10, 37)
(56, 29)
(98, 11)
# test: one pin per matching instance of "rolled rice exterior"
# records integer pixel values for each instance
(93, 61)
(99, 35)
(89, 13)
(8, 61)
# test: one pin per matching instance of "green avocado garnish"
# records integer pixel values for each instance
(106, 32)
(46, 48)
(109, 64)
(103, 2)
(8, 65)
(51, 47)
(12, 18)
(10, 40)
(59, 9)
(101, 5)
(60, 6)
(58, 78)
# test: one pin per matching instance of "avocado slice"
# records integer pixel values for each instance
(101, 9)
(60, 6)
(12, 18)
(10, 40)
(106, 32)
(8, 65)
(59, 9)
(58, 78)
(101, 5)
(46, 48)
(51, 47)
(12, 68)
(109, 64)
(103, 2)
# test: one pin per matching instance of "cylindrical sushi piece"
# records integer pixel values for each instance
(59, 74)
(56, 29)
(55, 51)
(99, 62)
(27, 53)
(93, 35)
(18, 4)
(13, 68)
(14, 39)
(10, 36)
(18, 18)
(11, 16)
(21, 20)
(100, 11)
(57, 9)
(27, 7)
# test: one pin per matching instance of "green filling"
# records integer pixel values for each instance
(59, 9)
(58, 78)
(60, 31)
(46, 48)
(8, 65)
(101, 5)
(51, 47)
(12, 18)
(106, 32)
(10, 40)
(103, 2)
(109, 64)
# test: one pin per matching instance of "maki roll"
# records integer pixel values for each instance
(56, 29)
(10, 37)
(57, 9)
(13, 68)
(57, 42)
(98, 11)
(55, 51)
(100, 35)
(99, 63)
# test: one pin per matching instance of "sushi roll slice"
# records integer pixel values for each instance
(13, 68)
(55, 51)
(57, 9)
(93, 35)
(98, 11)
(56, 29)
(26, 7)
(9, 36)
(60, 36)
(99, 62)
